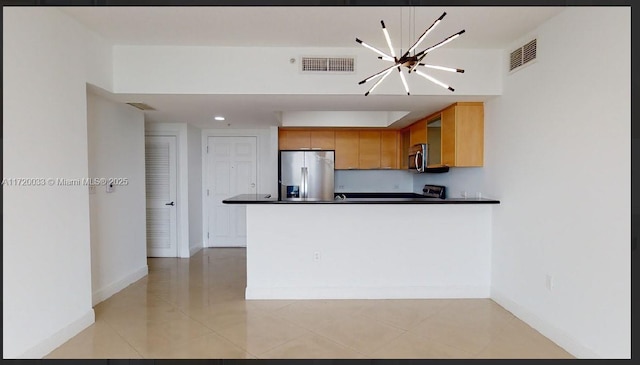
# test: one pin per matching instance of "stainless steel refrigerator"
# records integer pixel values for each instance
(306, 175)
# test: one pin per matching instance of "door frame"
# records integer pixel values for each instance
(178, 130)
(266, 163)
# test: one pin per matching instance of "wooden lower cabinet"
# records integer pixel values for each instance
(347, 150)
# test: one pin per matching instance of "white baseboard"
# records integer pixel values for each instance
(104, 293)
(195, 248)
(67, 332)
(369, 293)
(243, 245)
(560, 337)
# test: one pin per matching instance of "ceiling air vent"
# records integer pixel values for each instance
(523, 55)
(141, 106)
(328, 64)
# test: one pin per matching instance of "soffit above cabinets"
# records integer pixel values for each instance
(379, 119)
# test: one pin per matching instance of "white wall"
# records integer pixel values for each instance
(213, 70)
(340, 118)
(360, 181)
(46, 250)
(558, 158)
(194, 142)
(118, 219)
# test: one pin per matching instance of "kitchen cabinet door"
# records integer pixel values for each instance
(347, 150)
(463, 135)
(470, 131)
(294, 139)
(323, 139)
(389, 149)
(418, 132)
(369, 146)
(405, 143)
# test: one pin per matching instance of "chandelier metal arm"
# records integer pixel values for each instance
(424, 35)
(386, 36)
(434, 80)
(450, 69)
(379, 81)
(417, 63)
(404, 81)
(377, 74)
(372, 48)
(442, 43)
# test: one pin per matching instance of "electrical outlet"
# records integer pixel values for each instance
(340, 187)
(549, 282)
(316, 256)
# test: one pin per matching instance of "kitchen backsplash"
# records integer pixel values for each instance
(457, 180)
(362, 181)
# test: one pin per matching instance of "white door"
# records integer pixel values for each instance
(161, 192)
(231, 170)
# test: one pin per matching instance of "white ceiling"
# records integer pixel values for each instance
(486, 27)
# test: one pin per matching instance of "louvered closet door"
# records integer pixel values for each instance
(160, 167)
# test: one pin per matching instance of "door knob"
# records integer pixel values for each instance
(172, 203)
(253, 185)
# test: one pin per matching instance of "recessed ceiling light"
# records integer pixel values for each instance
(218, 118)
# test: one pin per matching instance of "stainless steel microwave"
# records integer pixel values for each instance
(417, 157)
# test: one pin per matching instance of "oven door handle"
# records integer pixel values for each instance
(419, 167)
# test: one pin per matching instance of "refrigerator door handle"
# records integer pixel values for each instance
(305, 183)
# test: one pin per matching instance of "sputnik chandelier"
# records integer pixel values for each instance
(412, 62)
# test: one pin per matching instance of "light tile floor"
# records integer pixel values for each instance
(195, 308)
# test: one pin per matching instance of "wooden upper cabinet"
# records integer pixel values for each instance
(356, 148)
(461, 140)
(369, 154)
(470, 133)
(418, 132)
(463, 135)
(347, 150)
(294, 139)
(405, 143)
(389, 157)
(323, 139)
(448, 133)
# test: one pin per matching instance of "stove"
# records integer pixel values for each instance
(434, 191)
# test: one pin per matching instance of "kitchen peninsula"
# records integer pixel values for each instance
(367, 248)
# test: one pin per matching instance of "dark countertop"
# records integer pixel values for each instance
(358, 198)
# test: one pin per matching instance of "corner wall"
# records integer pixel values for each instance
(194, 142)
(46, 250)
(118, 219)
(558, 158)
